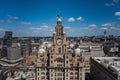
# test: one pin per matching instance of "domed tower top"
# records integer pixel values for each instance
(59, 27)
(59, 20)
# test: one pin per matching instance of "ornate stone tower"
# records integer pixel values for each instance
(59, 49)
(59, 38)
(60, 62)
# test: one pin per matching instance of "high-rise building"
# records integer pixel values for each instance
(8, 39)
(25, 42)
(60, 62)
(7, 42)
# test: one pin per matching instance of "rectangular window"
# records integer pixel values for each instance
(66, 56)
(66, 61)
(66, 70)
(51, 70)
(51, 75)
(51, 57)
(59, 49)
(71, 65)
(66, 75)
(51, 61)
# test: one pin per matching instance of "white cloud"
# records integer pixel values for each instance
(13, 17)
(104, 28)
(1, 29)
(1, 21)
(92, 25)
(68, 27)
(35, 28)
(71, 19)
(6, 21)
(112, 3)
(44, 30)
(106, 24)
(45, 26)
(51, 30)
(80, 18)
(115, 1)
(109, 4)
(115, 28)
(26, 23)
(39, 28)
(117, 13)
(9, 21)
(84, 28)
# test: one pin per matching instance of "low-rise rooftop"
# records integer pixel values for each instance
(110, 63)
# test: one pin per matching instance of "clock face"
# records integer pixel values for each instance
(59, 41)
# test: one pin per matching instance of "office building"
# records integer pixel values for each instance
(25, 42)
(7, 39)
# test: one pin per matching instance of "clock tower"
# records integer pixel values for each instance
(60, 61)
(59, 38)
(59, 50)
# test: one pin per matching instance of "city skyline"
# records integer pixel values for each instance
(79, 17)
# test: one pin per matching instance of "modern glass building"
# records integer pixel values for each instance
(25, 42)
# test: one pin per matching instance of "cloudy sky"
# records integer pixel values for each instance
(79, 17)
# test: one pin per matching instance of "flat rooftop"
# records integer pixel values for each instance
(110, 63)
(5, 62)
(11, 61)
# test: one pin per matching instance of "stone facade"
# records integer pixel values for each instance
(57, 62)
(20, 73)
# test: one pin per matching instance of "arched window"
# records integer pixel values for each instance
(59, 50)
(43, 73)
(71, 73)
(60, 59)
